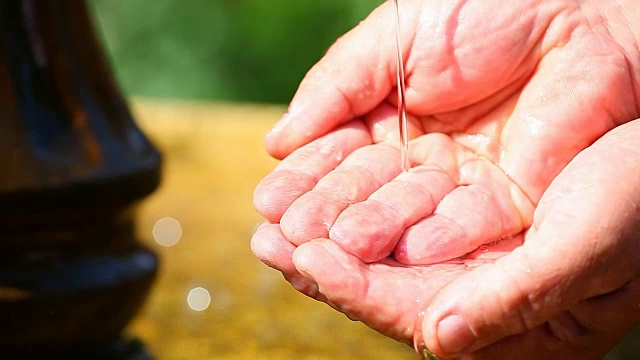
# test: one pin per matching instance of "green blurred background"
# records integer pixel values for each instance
(236, 50)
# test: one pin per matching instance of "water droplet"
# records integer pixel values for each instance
(327, 149)
(478, 139)
(502, 152)
(199, 299)
(529, 271)
(378, 127)
(167, 231)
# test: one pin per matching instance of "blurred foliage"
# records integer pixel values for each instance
(246, 50)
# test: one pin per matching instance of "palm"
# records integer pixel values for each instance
(500, 87)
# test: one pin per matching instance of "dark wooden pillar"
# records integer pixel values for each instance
(73, 164)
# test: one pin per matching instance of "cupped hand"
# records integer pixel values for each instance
(568, 289)
(513, 91)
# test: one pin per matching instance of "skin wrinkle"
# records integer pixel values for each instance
(304, 174)
(621, 10)
(331, 194)
(595, 256)
(432, 198)
(348, 200)
(389, 329)
(558, 37)
(450, 31)
(363, 285)
(518, 66)
(533, 300)
(514, 185)
(633, 79)
(515, 68)
(556, 332)
(511, 88)
(350, 114)
(385, 206)
(432, 168)
(544, 26)
(269, 204)
(632, 74)
(344, 100)
(609, 287)
(463, 233)
(548, 159)
(582, 329)
(629, 66)
(523, 310)
(525, 222)
(626, 56)
(565, 329)
(369, 174)
(590, 262)
(518, 228)
(351, 199)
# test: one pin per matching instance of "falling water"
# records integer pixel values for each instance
(402, 105)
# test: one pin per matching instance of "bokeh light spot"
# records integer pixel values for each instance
(167, 231)
(199, 299)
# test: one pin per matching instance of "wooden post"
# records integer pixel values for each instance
(73, 164)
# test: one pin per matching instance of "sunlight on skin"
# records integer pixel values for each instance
(494, 120)
(528, 131)
(393, 298)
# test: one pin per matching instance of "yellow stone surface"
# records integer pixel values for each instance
(213, 158)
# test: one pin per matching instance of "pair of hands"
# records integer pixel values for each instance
(517, 230)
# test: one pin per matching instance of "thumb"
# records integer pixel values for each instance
(353, 78)
(583, 244)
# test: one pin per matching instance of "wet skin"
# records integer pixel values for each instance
(495, 119)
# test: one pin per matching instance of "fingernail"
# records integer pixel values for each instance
(454, 334)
